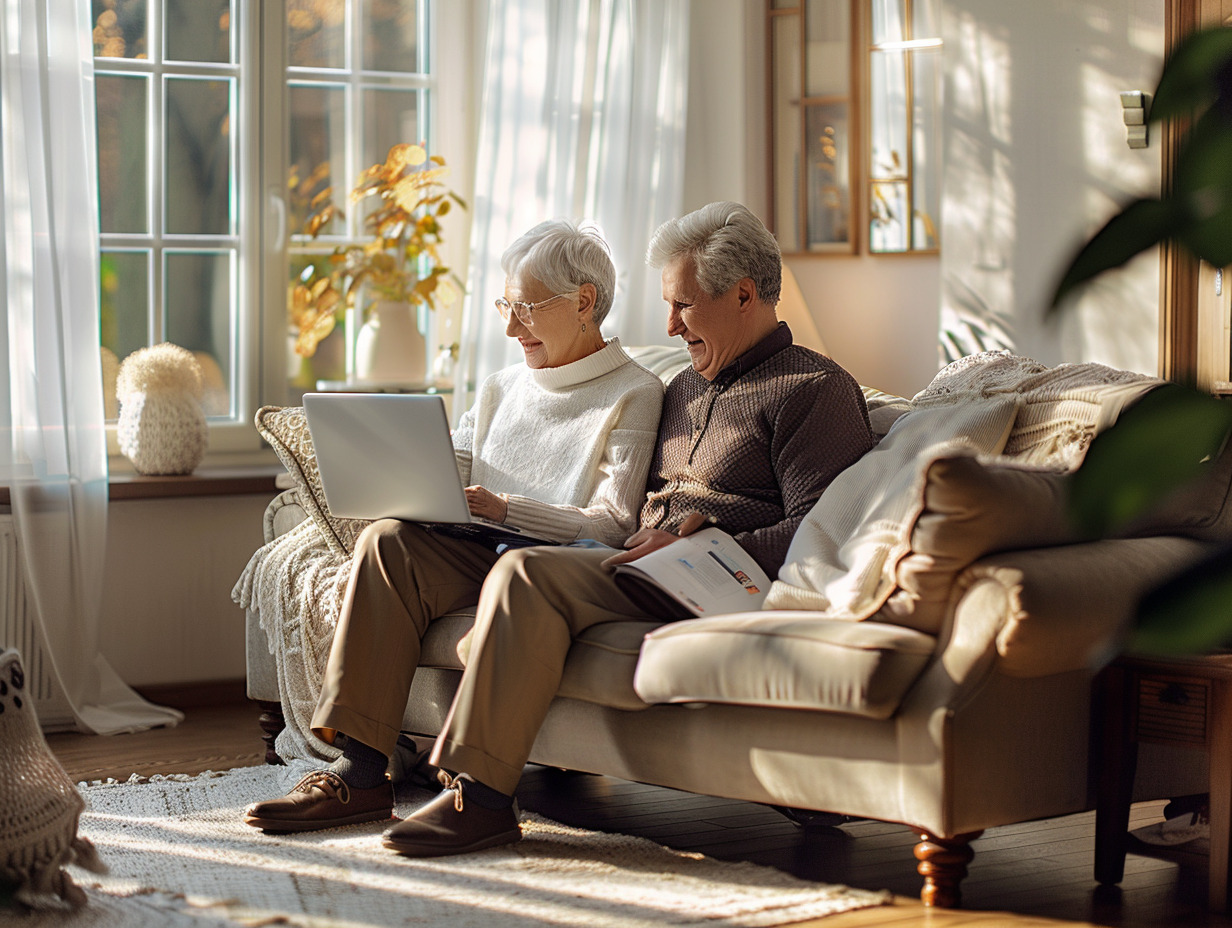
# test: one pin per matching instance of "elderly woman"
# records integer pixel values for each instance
(558, 446)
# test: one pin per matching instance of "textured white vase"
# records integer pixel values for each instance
(389, 347)
(162, 433)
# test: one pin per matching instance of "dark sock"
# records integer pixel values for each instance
(486, 796)
(360, 766)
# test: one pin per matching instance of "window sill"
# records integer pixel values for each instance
(204, 481)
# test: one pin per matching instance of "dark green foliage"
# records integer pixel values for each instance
(1159, 444)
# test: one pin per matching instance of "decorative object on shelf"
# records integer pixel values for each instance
(400, 264)
(389, 347)
(162, 426)
(39, 806)
(444, 365)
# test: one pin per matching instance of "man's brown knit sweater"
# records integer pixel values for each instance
(756, 446)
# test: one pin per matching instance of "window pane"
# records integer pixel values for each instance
(390, 118)
(926, 142)
(120, 28)
(888, 21)
(828, 51)
(122, 167)
(318, 155)
(887, 211)
(887, 93)
(198, 159)
(827, 155)
(391, 36)
(316, 33)
(124, 300)
(786, 119)
(924, 20)
(198, 294)
(198, 30)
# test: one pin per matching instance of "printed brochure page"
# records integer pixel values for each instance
(707, 572)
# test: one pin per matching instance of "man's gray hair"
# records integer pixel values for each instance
(562, 255)
(727, 243)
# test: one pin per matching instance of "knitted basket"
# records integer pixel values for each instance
(39, 806)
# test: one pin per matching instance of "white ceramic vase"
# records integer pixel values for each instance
(389, 347)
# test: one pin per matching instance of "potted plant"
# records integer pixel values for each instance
(398, 270)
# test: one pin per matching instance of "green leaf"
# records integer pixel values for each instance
(1158, 445)
(1189, 80)
(1204, 190)
(1138, 226)
(1190, 613)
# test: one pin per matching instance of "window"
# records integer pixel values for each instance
(820, 71)
(904, 64)
(211, 114)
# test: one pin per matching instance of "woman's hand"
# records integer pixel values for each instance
(645, 540)
(486, 505)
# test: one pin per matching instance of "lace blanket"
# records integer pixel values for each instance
(294, 585)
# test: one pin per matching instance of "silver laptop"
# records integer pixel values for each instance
(389, 455)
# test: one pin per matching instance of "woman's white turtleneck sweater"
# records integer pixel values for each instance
(568, 447)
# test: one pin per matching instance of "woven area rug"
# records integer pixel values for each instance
(179, 855)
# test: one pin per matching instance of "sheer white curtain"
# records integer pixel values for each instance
(54, 451)
(583, 117)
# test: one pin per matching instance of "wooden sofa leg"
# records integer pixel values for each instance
(272, 722)
(943, 864)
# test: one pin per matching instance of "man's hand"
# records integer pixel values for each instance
(645, 540)
(486, 505)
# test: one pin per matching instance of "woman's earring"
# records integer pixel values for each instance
(583, 326)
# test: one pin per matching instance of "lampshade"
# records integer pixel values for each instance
(793, 310)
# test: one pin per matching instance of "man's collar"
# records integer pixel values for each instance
(772, 344)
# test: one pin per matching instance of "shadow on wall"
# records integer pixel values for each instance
(1036, 160)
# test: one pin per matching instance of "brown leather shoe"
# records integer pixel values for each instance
(322, 800)
(450, 825)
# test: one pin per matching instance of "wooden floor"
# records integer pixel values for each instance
(1024, 875)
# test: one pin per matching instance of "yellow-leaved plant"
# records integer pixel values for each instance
(400, 262)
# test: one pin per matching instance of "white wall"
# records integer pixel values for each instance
(1035, 161)
(167, 613)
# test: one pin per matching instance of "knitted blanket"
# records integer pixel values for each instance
(294, 586)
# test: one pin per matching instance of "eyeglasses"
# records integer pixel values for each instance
(523, 310)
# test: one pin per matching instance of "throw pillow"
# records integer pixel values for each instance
(973, 507)
(39, 806)
(286, 429)
(841, 559)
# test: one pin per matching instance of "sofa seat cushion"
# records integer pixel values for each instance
(787, 659)
(599, 667)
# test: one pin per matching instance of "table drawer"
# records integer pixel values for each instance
(1172, 710)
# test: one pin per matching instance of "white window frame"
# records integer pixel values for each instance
(260, 153)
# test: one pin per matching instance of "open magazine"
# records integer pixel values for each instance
(707, 573)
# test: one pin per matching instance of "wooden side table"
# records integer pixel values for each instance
(1182, 701)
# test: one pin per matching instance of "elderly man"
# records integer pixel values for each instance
(749, 438)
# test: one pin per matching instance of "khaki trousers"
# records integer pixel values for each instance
(402, 577)
(534, 602)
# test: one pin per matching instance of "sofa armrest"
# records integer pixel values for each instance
(1067, 608)
(282, 514)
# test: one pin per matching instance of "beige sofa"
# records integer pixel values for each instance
(963, 701)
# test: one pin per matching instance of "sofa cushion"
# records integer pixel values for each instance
(785, 660)
(599, 668)
(286, 429)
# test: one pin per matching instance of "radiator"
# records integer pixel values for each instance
(17, 630)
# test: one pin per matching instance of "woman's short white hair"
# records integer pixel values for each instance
(562, 255)
(727, 243)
